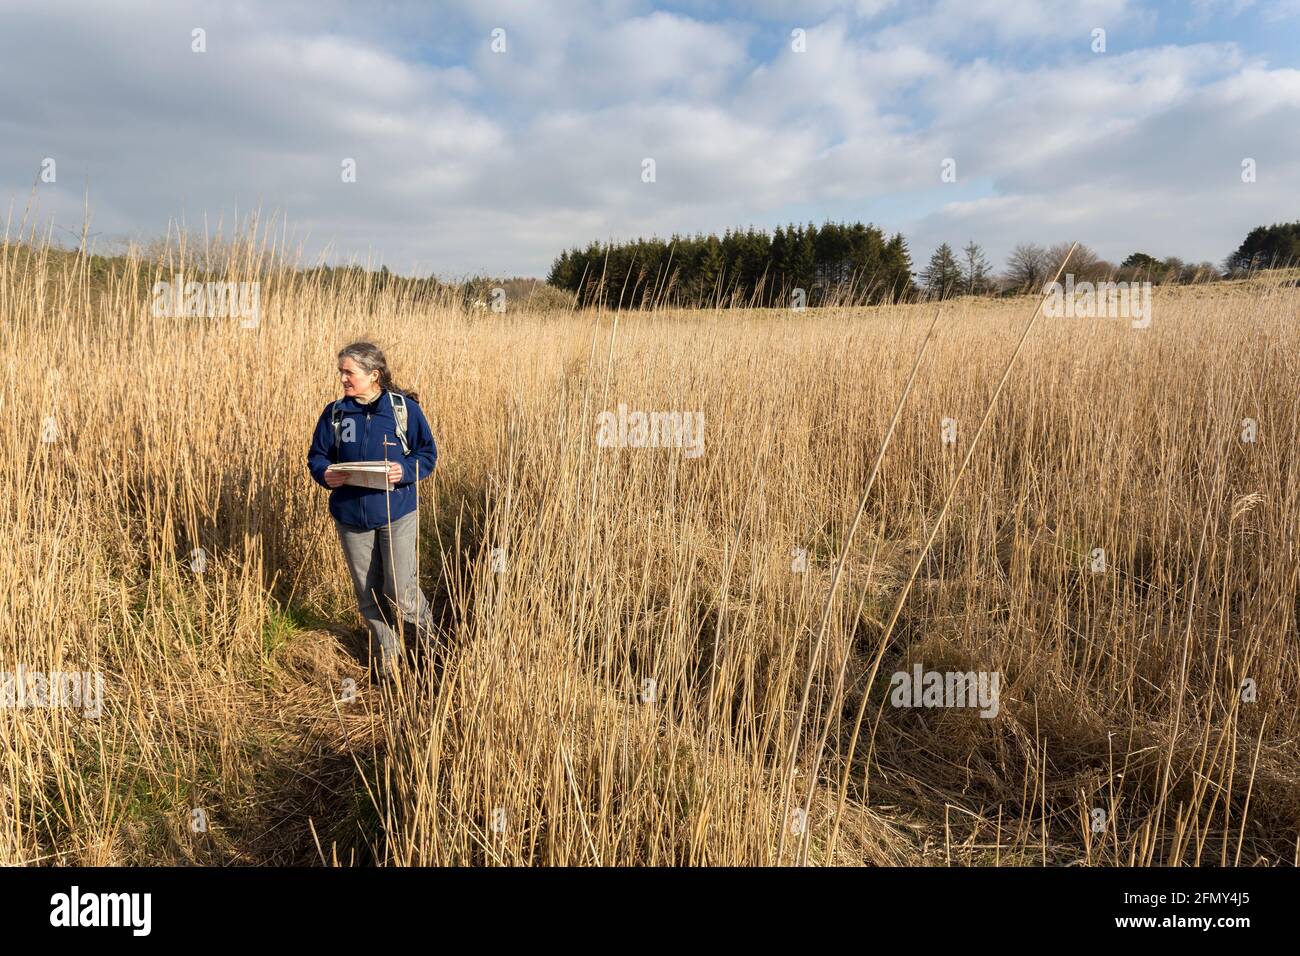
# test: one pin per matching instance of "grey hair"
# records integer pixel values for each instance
(371, 358)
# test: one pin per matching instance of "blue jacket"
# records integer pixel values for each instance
(370, 426)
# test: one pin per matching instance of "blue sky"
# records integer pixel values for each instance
(470, 160)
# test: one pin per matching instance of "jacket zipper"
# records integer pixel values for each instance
(365, 443)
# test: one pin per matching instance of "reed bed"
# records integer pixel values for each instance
(637, 662)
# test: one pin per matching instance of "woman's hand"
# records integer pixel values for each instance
(394, 472)
(334, 479)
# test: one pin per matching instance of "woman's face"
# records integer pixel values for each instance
(356, 380)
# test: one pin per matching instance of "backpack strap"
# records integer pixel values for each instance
(399, 415)
(336, 419)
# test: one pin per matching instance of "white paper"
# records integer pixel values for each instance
(364, 474)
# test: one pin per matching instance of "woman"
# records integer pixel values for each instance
(379, 529)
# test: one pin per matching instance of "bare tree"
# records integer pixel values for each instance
(1085, 265)
(1026, 268)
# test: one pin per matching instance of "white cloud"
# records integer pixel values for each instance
(474, 161)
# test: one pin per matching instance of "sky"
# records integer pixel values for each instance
(487, 137)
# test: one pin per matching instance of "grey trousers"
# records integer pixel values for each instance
(382, 562)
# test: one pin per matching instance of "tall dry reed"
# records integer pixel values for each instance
(637, 662)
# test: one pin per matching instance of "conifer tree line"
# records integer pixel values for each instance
(1267, 247)
(832, 264)
(854, 264)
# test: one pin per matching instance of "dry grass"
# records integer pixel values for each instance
(226, 690)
